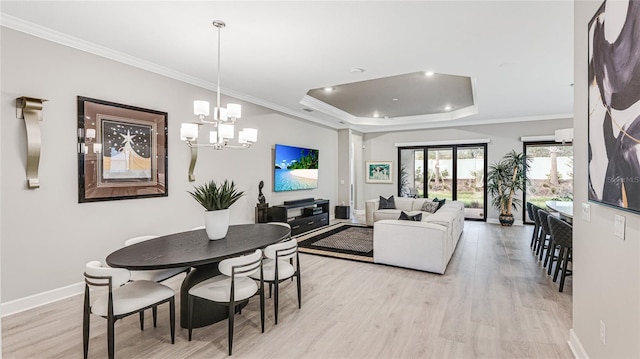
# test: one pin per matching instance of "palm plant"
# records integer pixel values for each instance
(505, 178)
(215, 197)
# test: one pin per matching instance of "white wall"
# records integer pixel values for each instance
(606, 283)
(344, 166)
(47, 237)
(504, 138)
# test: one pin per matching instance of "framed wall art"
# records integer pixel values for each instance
(379, 172)
(614, 105)
(122, 151)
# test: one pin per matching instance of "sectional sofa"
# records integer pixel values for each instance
(423, 245)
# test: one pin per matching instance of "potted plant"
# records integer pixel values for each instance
(504, 179)
(216, 200)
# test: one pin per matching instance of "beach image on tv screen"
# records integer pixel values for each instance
(295, 168)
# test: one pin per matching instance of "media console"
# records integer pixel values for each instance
(315, 216)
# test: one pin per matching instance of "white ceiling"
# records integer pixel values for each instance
(519, 54)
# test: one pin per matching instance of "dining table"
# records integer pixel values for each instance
(195, 250)
(563, 208)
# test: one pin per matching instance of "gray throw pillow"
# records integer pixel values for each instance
(430, 207)
(387, 203)
(406, 217)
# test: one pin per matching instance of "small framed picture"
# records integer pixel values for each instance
(379, 172)
(122, 151)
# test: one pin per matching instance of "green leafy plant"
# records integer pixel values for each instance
(505, 178)
(214, 196)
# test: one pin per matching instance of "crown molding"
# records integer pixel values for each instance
(45, 33)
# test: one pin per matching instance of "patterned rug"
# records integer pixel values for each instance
(344, 241)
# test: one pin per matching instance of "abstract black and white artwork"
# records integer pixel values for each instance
(614, 105)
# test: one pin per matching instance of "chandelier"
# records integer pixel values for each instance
(222, 122)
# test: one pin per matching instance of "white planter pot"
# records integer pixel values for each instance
(216, 223)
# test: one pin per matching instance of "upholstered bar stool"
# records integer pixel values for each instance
(536, 229)
(550, 255)
(538, 235)
(562, 233)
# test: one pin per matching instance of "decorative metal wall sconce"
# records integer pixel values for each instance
(30, 110)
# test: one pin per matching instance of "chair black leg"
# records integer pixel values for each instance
(86, 324)
(275, 300)
(539, 246)
(231, 315)
(558, 264)
(533, 236)
(262, 305)
(565, 262)
(549, 251)
(299, 290)
(172, 318)
(190, 310)
(111, 347)
(553, 258)
(543, 247)
(142, 320)
(154, 310)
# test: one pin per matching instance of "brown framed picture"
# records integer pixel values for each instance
(122, 151)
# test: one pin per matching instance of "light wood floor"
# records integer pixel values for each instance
(494, 301)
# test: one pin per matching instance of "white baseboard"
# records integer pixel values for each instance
(517, 222)
(576, 346)
(36, 300)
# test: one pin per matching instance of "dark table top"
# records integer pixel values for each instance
(193, 248)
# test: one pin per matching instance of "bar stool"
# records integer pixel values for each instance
(536, 228)
(536, 219)
(550, 255)
(562, 233)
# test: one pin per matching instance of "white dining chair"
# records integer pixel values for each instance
(232, 287)
(115, 297)
(155, 275)
(282, 263)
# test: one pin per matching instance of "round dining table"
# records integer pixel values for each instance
(194, 249)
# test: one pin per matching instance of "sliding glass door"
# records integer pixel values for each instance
(411, 182)
(453, 172)
(470, 180)
(440, 173)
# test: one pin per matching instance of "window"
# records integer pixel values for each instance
(550, 173)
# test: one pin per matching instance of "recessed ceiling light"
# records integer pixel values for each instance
(328, 89)
(394, 100)
(357, 70)
(429, 73)
(376, 115)
(447, 108)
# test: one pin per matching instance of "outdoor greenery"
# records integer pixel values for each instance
(214, 196)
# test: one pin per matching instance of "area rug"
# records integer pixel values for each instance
(344, 241)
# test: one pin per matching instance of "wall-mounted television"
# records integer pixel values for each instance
(295, 168)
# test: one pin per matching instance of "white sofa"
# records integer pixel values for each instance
(426, 245)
